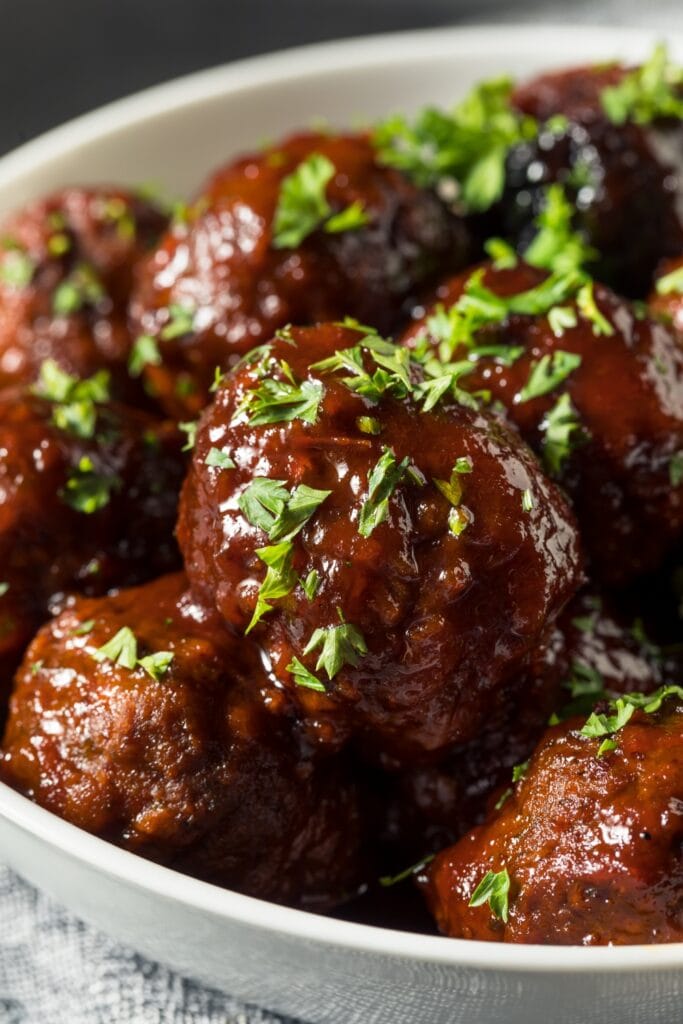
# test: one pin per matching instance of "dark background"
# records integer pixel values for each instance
(59, 58)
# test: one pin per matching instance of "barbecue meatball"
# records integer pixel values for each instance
(609, 426)
(590, 840)
(84, 506)
(223, 280)
(624, 179)
(413, 558)
(588, 654)
(177, 756)
(66, 269)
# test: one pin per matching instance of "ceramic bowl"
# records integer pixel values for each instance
(314, 968)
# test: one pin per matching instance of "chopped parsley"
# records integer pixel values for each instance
(217, 459)
(4, 587)
(145, 352)
(601, 725)
(563, 433)
(519, 771)
(17, 268)
(547, 373)
(463, 152)
(281, 401)
(671, 283)
(84, 628)
(527, 500)
(82, 288)
(561, 319)
(311, 584)
(386, 881)
(369, 425)
(676, 469)
(122, 649)
(647, 93)
(557, 246)
(501, 253)
(156, 665)
(74, 401)
(180, 321)
(459, 517)
(587, 306)
(280, 578)
(88, 491)
(302, 205)
(268, 505)
(383, 479)
(189, 428)
(302, 677)
(493, 889)
(341, 645)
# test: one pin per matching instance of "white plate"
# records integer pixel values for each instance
(314, 968)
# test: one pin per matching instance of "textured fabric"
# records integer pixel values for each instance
(56, 970)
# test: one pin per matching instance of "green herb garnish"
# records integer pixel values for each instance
(88, 491)
(493, 889)
(145, 352)
(74, 401)
(122, 649)
(547, 373)
(302, 677)
(341, 645)
(557, 246)
(279, 581)
(649, 92)
(303, 207)
(217, 459)
(268, 505)
(563, 433)
(180, 321)
(671, 283)
(383, 479)
(82, 288)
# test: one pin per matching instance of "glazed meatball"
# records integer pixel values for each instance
(140, 720)
(624, 179)
(589, 654)
(251, 257)
(396, 565)
(66, 270)
(84, 506)
(599, 395)
(587, 849)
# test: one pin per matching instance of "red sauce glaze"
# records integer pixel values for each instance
(625, 180)
(47, 547)
(194, 770)
(106, 231)
(592, 844)
(447, 619)
(628, 393)
(222, 265)
(587, 650)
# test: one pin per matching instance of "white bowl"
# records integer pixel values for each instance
(311, 967)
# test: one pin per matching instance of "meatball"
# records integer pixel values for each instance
(311, 229)
(88, 497)
(589, 654)
(598, 392)
(624, 179)
(415, 557)
(587, 849)
(66, 271)
(139, 719)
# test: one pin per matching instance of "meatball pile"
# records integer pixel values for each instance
(340, 508)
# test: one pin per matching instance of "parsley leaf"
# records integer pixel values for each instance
(467, 147)
(81, 288)
(280, 579)
(311, 584)
(562, 318)
(649, 92)
(671, 283)
(278, 401)
(74, 401)
(189, 428)
(563, 433)
(217, 459)
(547, 373)
(383, 479)
(17, 268)
(4, 587)
(585, 300)
(557, 246)
(122, 649)
(156, 665)
(493, 889)
(268, 505)
(180, 321)
(302, 677)
(145, 352)
(459, 518)
(303, 207)
(88, 491)
(341, 645)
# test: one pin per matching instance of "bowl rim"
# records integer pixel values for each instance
(375, 51)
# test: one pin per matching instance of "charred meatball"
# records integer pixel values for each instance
(66, 270)
(593, 386)
(88, 496)
(396, 564)
(312, 229)
(142, 721)
(587, 849)
(625, 179)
